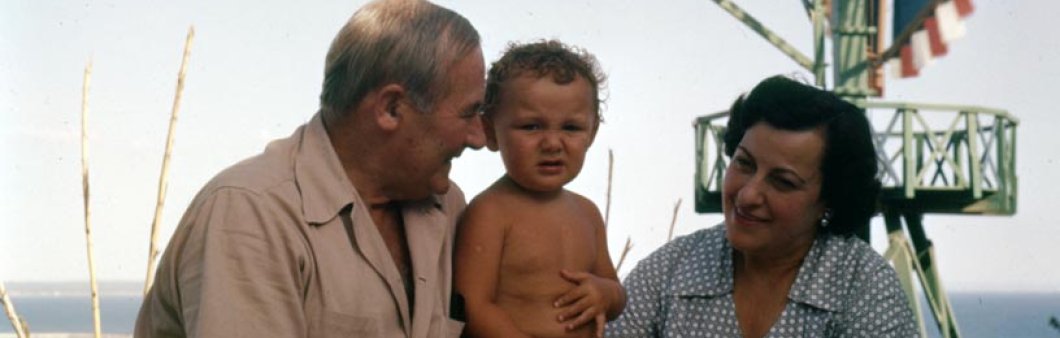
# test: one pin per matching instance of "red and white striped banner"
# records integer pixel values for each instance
(942, 27)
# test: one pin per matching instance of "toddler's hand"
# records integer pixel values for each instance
(584, 302)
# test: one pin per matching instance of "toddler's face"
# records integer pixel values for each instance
(543, 130)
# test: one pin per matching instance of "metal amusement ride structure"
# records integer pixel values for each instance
(935, 158)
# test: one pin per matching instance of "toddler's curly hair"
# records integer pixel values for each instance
(544, 58)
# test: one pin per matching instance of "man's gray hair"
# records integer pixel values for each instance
(407, 42)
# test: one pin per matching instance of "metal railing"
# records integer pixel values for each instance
(943, 158)
(966, 153)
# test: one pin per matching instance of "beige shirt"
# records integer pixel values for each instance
(280, 245)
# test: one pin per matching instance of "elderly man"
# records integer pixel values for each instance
(345, 228)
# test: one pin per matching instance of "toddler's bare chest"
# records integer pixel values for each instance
(549, 243)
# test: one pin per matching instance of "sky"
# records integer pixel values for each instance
(255, 74)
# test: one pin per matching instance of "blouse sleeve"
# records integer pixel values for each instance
(645, 286)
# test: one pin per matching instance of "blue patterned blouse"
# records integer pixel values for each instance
(684, 289)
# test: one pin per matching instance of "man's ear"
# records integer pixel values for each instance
(491, 134)
(389, 105)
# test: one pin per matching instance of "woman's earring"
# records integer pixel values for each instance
(826, 218)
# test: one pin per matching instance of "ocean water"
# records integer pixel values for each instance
(1002, 314)
(978, 314)
(47, 313)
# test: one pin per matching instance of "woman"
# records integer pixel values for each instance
(785, 263)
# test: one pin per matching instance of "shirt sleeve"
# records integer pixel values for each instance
(879, 307)
(644, 298)
(239, 274)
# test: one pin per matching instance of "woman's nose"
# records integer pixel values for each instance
(751, 193)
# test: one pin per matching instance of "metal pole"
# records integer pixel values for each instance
(818, 18)
(769, 35)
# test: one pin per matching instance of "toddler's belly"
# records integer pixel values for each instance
(535, 316)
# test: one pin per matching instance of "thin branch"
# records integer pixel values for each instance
(674, 220)
(625, 251)
(610, 171)
(163, 183)
(85, 193)
(9, 308)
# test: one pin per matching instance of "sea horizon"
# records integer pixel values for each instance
(62, 309)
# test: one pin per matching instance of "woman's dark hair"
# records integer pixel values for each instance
(849, 187)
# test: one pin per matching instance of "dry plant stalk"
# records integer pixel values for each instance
(610, 170)
(9, 308)
(625, 251)
(163, 183)
(674, 220)
(84, 187)
(25, 326)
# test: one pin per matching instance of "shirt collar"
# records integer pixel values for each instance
(702, 273)
(322, 181)
(817, 284)
(710, 274)
(319, 175)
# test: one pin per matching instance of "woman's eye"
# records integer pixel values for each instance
(743, 163)
(784, 184)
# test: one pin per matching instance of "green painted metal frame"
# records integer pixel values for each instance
(966, 167)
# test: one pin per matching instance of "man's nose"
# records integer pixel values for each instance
(476, 136)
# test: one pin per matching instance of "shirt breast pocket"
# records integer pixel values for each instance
(345, 325)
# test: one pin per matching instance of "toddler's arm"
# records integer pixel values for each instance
(597, 295)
